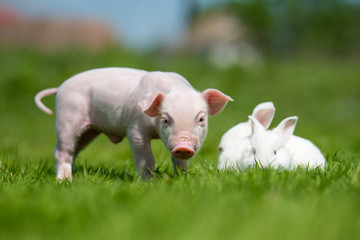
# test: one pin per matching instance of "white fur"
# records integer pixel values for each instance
(304, 153)
(268, 146)
(235, 149)
(249, 143)
(280, 148)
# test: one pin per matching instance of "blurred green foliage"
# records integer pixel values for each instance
(328, 27)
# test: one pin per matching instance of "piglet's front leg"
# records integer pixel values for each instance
(142, 154)
(180, 165)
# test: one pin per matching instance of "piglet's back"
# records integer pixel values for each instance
(115, 78)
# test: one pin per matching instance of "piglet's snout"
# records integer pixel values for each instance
(183, 148)
(182, 152)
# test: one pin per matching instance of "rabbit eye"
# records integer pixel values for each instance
(275, 152)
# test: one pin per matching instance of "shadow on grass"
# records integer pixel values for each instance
(123, 173)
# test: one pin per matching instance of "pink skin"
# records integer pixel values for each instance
(139, 105)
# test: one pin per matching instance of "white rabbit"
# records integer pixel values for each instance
(280, 148)
(268, 146)
(235, 149)
(304, 153)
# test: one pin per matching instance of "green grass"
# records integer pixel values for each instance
(106, 199)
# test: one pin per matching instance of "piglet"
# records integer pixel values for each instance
(132, 103)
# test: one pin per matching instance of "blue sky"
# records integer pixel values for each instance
(139, 23)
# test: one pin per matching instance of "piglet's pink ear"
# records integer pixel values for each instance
(216, 100)
(150, 105)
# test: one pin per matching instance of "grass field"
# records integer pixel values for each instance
(106, 200)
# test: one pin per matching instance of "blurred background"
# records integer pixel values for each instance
(302, 55)
(234, 31)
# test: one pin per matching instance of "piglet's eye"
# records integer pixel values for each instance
(201, 119)
(165, 120)
(275, 152)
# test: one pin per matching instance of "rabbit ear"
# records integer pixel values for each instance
(286, 128)
(264, 113)
(255, 125)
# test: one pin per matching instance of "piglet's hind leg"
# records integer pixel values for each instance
(70, 140)
(63, 163)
